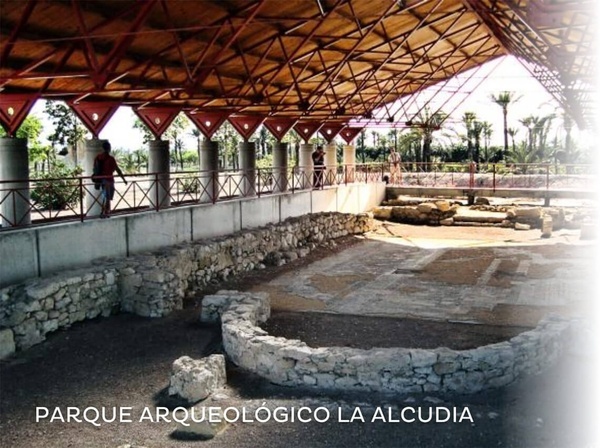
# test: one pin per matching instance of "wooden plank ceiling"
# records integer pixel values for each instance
(328, 60)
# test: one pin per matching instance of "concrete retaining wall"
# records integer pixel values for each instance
(293, 363)
(38, 252)
(156, 283)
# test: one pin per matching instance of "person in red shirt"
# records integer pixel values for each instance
(105, 165)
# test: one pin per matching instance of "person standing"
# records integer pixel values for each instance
(318, 158)
(104, 167)
(394, 160)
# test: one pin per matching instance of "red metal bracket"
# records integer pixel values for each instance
(306, 129)
(279, 126)
(330, 131)
(158, 119)
(207, 122)
(94, 114)
(14, 108)
(349, 134)
(246, 124)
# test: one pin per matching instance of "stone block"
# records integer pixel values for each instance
(195, 379)
(528, 212)
(7, 343)
(422, 358)
(521, 226)
(547, 227)
(442, 206)
(384, 213)
(426, 207)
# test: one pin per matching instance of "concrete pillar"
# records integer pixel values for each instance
(349, 163)
(209, 170)
(280, 167)
(247, 158)
(305, 166)
(330, 164)
(14, 196)
(93, 197)
(160, 163)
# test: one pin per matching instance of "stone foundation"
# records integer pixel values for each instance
(157, 283)
(293, 363)
(441, 212)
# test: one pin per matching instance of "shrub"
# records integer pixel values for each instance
(53, 191)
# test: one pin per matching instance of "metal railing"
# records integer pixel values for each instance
(537, 176)
(38, 201)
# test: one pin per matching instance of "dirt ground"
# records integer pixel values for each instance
(125, 360)
(326, 330)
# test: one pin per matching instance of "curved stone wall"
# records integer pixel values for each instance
(156, 283)
(293, 363)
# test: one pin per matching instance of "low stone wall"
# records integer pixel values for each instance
(157, 283)
(293, 363)
(425, 213)
(410, 210)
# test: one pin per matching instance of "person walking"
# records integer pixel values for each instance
(394, 160)
(104, 167)
(318, 158)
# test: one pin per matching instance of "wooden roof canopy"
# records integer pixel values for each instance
(325, 60)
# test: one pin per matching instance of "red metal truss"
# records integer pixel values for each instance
(306, 129)
(299, 59)
(14, 109)
(94, 114)
(279, 126)
(350, 133)
(208, 122)
(245, 124)
(157, 119)
(329, 131)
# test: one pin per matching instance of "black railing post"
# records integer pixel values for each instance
(81, 199)
(157, 195)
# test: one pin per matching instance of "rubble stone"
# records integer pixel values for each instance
(155, 284)
(195, 379)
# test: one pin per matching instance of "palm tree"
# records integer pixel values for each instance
(468, 119)
(542, 130)
(513, 133)
(503, 99)
(522, 155)
(530, 123)
(486, 131)
(393, 136)
(426, 124)
(476, 131)
(408, 146)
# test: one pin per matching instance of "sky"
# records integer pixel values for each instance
(508, 75)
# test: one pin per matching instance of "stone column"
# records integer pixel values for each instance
(14, 196)
(330, 164)
(93, 197)
(159, 163)
(305, 166)
(349, 163)
(247, 158)
(280, 167)
(209, 170)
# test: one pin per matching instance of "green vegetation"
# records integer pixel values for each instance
(53, 191)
